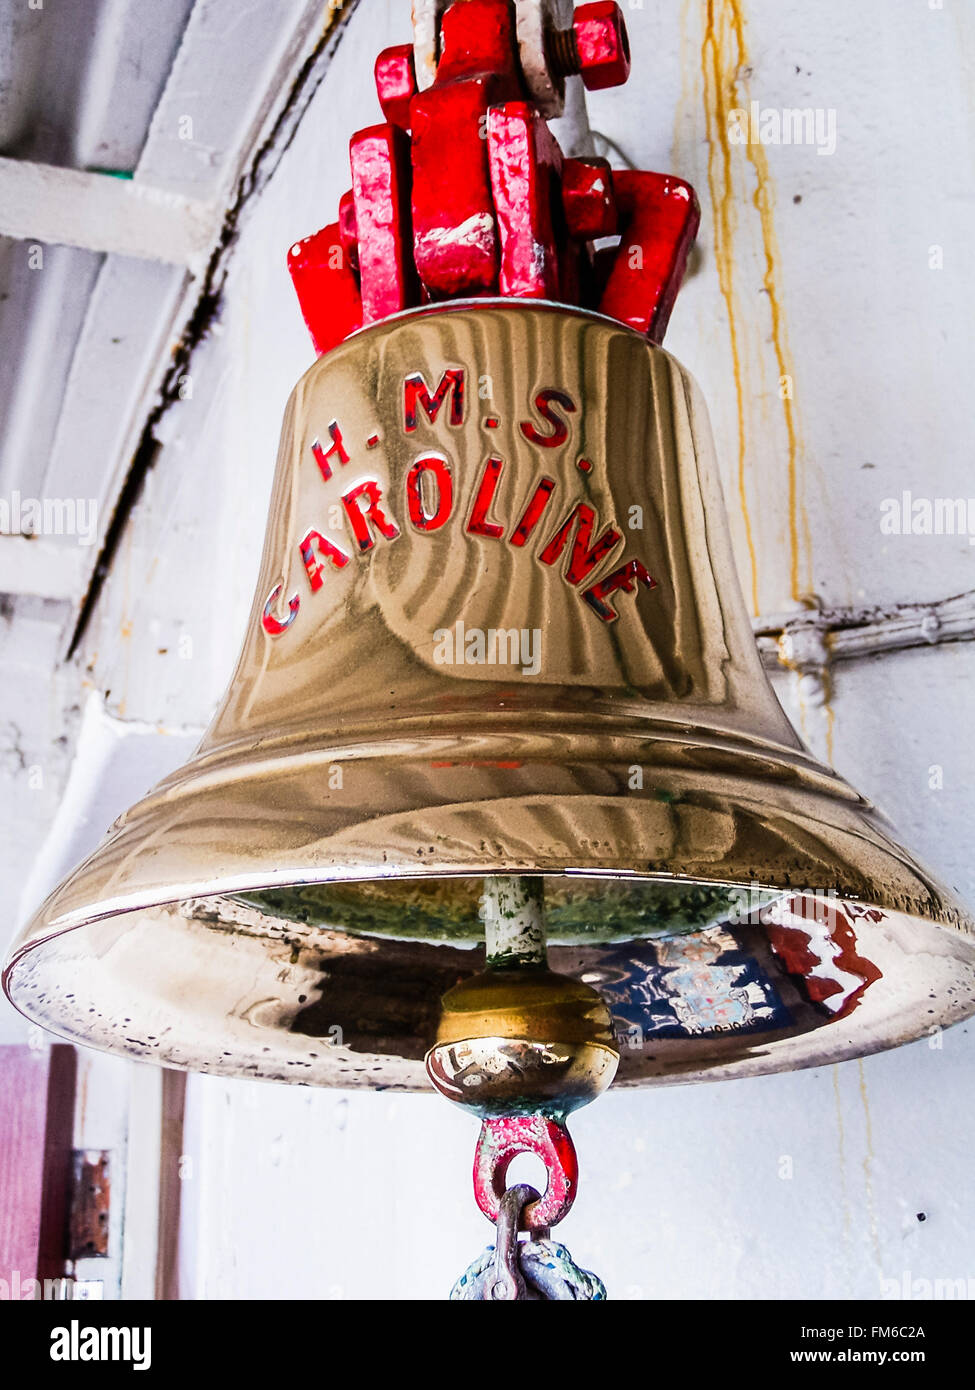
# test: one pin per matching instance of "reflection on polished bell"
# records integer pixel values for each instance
(497, 631)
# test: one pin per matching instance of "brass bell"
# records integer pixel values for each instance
(497, 631)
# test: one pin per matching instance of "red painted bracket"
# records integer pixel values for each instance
(465, 192)
(455, 238)
(526, 164)
(455, 227)
(659, 217)
(327, 288)
(380, 159)
(395, 75)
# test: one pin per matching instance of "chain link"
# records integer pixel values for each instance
(538, 1269)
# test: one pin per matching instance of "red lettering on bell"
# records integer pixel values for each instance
(560, 427)
(478, 524)
(360, 518)
(432, 487)
(625, 578)
(434, 466)
(585, 555)
(335, 450)
(417, 393)
(327, 550)
(532, 514)
(275, 626)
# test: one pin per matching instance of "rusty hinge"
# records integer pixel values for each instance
(90, 1197)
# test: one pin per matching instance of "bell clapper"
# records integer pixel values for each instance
(523, 1047)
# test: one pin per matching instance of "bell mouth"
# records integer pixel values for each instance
(340, 983)
(580, 910)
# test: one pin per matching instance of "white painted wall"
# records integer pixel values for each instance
(823, 276)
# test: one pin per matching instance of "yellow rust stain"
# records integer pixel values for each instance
(830, 714)
(724, 61)
(841, 1145)
(126, 624)
(868, 1159)
(81, 1101)
(333, 13)
(828, 711)
(725, 68)
(720, 96)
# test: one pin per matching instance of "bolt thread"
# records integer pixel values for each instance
(562, 52)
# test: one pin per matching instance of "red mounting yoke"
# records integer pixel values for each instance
(464, 191)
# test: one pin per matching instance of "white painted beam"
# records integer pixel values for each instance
(98, 212)
(42, 566)
(132, 317)
(230, 79)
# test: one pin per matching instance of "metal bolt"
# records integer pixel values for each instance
(597, 46)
